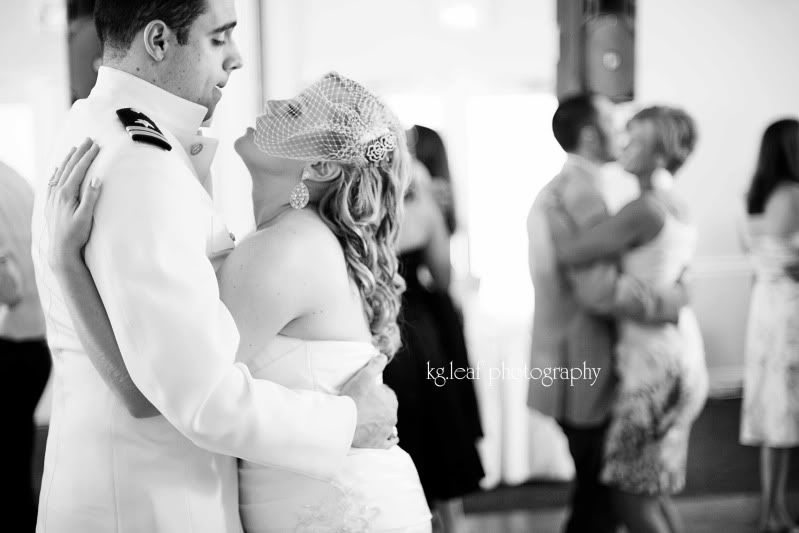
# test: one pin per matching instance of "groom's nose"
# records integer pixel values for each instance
(233, 61)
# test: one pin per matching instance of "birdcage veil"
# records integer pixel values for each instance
(335, 119)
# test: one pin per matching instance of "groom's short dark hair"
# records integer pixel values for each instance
(118, 21)
(574, 113)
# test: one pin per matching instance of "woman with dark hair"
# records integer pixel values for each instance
(315, 293)
(770, 413)
(427, 146)
(662, 375)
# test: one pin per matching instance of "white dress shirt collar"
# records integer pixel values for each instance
(616, 186)
(585, 165)
(662, 179)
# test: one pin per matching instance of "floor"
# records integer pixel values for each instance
(721, 494)
(735, 513)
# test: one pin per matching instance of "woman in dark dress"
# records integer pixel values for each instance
(438, 422)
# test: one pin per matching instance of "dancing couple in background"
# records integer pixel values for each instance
(606, 258)
(176, 352)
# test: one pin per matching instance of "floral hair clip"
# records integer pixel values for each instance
(376, 150)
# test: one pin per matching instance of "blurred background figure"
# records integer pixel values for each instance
(428, 147)
(770, 409)
(23, 350)
(439, 421)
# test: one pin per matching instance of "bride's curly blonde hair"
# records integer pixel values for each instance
(356, 146)
(363, 207)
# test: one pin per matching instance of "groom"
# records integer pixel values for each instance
(151, 254)
(575, 309)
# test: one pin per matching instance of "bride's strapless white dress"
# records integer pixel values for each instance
(375, 491)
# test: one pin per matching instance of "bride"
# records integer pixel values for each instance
(315, 284)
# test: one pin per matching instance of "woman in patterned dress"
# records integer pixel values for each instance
(770, 413)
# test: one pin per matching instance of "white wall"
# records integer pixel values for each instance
(242, 101)
(34, 81)
(733, 65)
(392, 45)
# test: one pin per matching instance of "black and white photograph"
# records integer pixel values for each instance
(399, 266)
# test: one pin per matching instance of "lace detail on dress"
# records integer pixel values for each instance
(342, 512)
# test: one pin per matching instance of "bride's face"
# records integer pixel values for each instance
(640, 155)
(286, 128)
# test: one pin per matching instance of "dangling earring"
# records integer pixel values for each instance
(299, 194)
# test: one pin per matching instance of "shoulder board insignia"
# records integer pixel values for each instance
(142, 129)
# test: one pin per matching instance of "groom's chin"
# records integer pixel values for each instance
(209, 118)
(209, 115)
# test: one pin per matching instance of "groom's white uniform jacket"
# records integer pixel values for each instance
(155, 235)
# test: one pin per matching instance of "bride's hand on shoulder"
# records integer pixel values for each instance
(69, 207)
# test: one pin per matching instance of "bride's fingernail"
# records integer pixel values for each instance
(95, 182)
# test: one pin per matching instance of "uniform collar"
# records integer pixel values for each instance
(174, 113)
(180, 117)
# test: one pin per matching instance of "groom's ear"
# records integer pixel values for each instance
(156, 37)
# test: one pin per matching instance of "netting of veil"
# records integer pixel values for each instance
(335, 119)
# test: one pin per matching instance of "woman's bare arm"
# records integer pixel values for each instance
(10, 279)
(69, 216)
(97, 337)
(637, 222)
(436, 252)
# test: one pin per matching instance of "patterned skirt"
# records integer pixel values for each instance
(770, 412)
(663, 386)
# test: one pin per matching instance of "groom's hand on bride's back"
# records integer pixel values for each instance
(376, 404)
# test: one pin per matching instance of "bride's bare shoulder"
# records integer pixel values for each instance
(297, 243)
